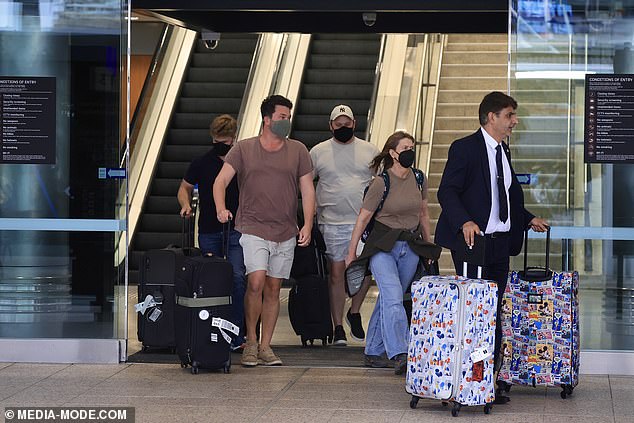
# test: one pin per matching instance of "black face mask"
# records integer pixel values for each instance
(406, 158)
(221, 148)
(343, 134)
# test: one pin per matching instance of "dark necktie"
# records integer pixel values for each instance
(504, 211)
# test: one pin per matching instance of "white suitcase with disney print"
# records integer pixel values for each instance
(452, 338)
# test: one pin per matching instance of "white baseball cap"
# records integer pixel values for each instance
(341, 110)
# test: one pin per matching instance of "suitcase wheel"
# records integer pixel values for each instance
(487, 408)
(324, 342)
(503, 386)
(194, 370)
(226, 369)
(565, 391)
(413, 402)
(455, 409)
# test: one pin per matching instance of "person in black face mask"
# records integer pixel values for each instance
(342, 165)
(203, 172)
(400, 238)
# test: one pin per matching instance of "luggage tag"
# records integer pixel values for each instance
(480, 354)
(155, 314)
(147, 303)
(224, 325)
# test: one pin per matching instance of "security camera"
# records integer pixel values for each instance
(369, 18)
(210, 39)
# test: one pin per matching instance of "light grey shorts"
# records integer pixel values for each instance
(274, 257)
(337, 239)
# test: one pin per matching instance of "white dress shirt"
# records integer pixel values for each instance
(495, 224)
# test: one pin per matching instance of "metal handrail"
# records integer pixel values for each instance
(420, 109)
(375, 89)
(442, 40)
(249, 83)
(146, 91)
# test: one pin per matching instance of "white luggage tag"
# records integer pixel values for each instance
(224, 325)
(480, 354)
(147, 303)
(155, 314)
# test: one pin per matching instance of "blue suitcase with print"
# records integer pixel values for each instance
(452, 338)
(540, 328)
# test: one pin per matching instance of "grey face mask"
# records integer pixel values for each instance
(281, 127)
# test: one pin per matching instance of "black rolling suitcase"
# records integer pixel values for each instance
(155, 310)
(203, 313)
(308, 299)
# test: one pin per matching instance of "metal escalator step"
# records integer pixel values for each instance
(152, 222)
(183, 153)
(352, 61)
(187, 136)
(339, 76)
(144, 241)
(192, 120)
(217, 74)
(171, 170)
(162, 203)
(335, 91)
(221, 59)
(210, 105)
(323, 107)
(213, 89)
(164, 187)
(345, 46)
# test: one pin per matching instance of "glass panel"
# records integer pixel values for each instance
(60, 89)
(553, 45)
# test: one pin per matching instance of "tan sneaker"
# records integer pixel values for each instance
(250, 354)
(267, 357)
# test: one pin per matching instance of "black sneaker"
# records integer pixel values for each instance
(376, 361)
(339, 339)
(400, 364)
(356, 328)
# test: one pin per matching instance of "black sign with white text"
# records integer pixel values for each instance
(609, 119)
(27, 118)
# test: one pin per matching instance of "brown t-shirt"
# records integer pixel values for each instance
(268, 183)
(401, 209)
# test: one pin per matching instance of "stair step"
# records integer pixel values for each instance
(225, 45)
(144, 241)
(162, 203)
(154, 222)
(478, 39)
(474, 56)
(474, 69)
(323, 107)
(206, 60)
(192, 120)
(532, 122)
(336, 91)
(183, 153)
(306, 122)
(187, 136)
(171, 170)
(468, 46)
(481, 83)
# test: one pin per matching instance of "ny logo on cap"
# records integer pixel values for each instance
(342, 109)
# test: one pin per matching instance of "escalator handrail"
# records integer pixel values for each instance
(148, 88)
(375, 88)
(247, 87)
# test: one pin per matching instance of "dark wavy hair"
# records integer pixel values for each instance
(383, 158)
(268, 105)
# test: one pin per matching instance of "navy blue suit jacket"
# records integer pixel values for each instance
(465, 194)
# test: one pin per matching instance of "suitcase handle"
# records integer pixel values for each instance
(536, 274)
(226, 229)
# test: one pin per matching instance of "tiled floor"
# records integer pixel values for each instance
(167, 393)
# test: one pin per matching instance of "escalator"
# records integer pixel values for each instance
(340, 69)
(214, 84)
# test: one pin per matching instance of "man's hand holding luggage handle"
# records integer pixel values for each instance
(224, 216)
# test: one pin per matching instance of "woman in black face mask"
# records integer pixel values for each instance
(400, 237)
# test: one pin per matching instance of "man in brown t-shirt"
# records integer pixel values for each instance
(270, 170)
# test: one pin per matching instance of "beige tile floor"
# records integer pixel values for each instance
(167, 393)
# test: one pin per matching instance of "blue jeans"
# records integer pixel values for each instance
(212, 243)
(388, 331)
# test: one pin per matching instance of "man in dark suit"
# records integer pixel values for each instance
(479, 193)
